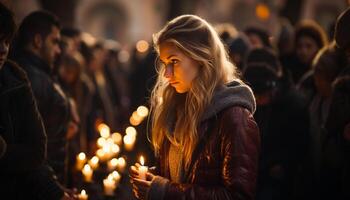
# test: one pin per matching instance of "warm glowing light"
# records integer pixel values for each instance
(104, 130)
(129, 142)
(101, 141)
(142, 160)
(112, 164)
(93, 162)
(117, 138)
(262, 11)
(87, 172)
(142, 46)
(83, 195)
(82, 156)
(142, 111)
(115, 148)
(131, 131)
(123, 56)
(121, 164)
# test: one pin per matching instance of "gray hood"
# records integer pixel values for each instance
(232, 94)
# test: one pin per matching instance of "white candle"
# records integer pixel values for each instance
(93, 162)
(80, 161)
(112, 164)
(101, 142)
(109, 185)
(87, 172)
(101, 155)
(104, 130)
(115, 149)
(142, 111)
(131, 131)
(129, 142)
(116, 176)
(83, 195)
(142, 169)
(117, 138)
(121, 164)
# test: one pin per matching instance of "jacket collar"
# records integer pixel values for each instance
(28, 58)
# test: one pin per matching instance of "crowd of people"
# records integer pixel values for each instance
(243, 116)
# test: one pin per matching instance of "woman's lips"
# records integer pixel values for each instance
(174, 83)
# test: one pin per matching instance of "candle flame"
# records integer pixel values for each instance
(82, 156)
(83, 192)
(142, 160)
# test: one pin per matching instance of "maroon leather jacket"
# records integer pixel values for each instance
(225, 162)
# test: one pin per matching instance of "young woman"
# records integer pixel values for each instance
(203, 132)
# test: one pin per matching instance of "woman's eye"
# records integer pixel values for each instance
(174, 61)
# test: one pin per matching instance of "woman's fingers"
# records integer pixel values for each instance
(133, 172)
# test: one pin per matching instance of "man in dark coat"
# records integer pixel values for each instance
(36, 48)
(23, 170)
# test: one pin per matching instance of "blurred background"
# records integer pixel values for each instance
(128, 21)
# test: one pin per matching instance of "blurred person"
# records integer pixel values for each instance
(239, 48)
(117, 78)
(282, 118)
(203, 132)
(226, 32)
(309, 39)
(36, 48)
(258, 37)
(336, 166)
(103, 107)
(22, 164)
(342, 32)
(335, 174)
(327, 65)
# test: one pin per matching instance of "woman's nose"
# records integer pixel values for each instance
(168, 71)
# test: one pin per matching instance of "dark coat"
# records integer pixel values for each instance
(224, 163)
(53, 107)
(23, 166)
(20, 122)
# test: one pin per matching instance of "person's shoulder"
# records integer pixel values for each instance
(236, 114)
(16, 71)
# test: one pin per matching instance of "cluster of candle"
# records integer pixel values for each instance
(111, 182)
(108, 149)
(139, 115)
(108, 144)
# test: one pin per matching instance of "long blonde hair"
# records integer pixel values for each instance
(197, 39)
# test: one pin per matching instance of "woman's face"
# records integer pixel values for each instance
(180, 70)
(306, 49)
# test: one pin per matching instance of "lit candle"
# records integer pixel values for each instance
(93, 162)
(142, 111)
(117, 138)
(87, 172)
(83, 195)
(116, 176)
(129, 142)
(104, 130)
(131, 131)
(142, 169)
(115, 149)
(109, 185)
(80, 161)
(112, 164)
(101, 142)
(121, 164)
(101, 154)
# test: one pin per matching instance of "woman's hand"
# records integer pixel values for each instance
(140, 187)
